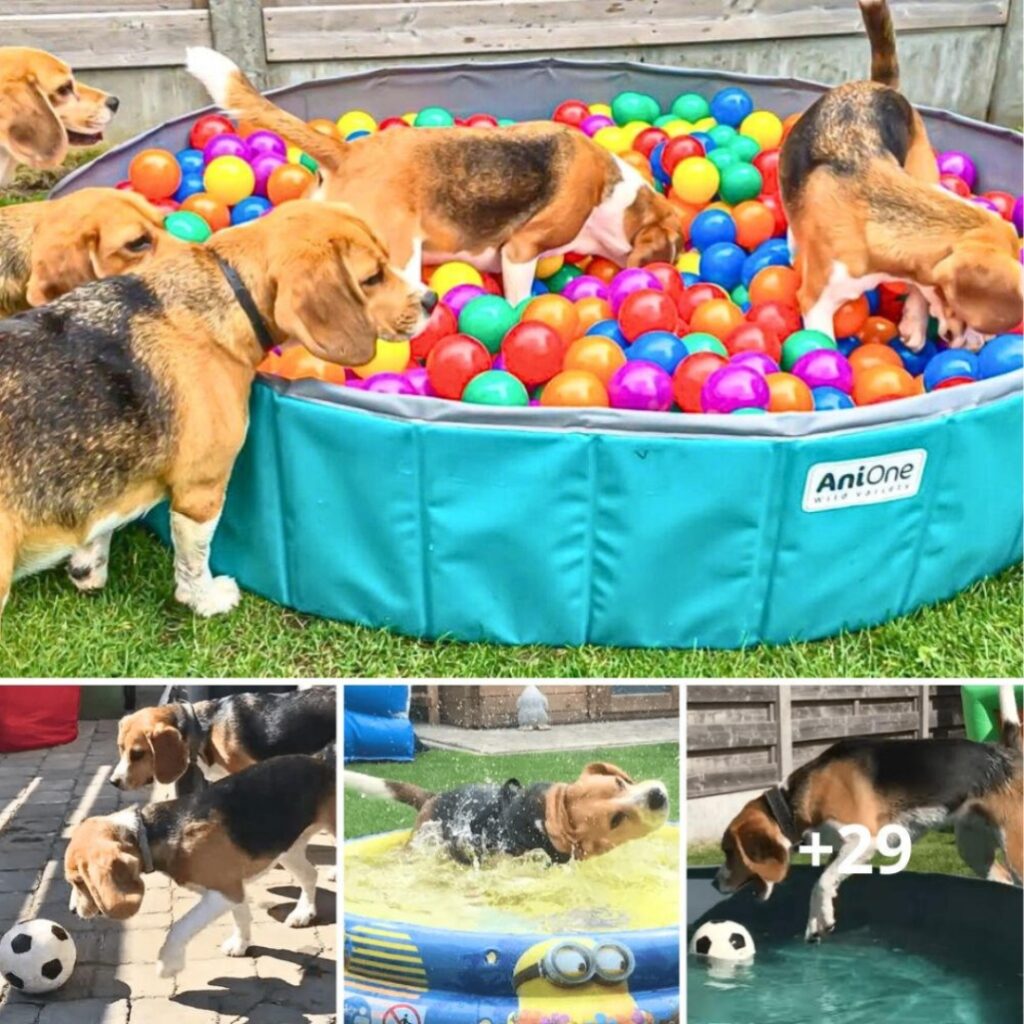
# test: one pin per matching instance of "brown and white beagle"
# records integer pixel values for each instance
(44, 109)
(499, 198)
(132, 389)
(50, 247)
(860, 186)
(917, 784)
(601, 810)
(213, 841)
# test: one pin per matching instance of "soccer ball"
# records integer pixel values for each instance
(722, 940)
(37, 956)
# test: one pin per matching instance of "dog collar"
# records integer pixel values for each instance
(244, 298)
(194, 731)
(781, 812)
(143, 839)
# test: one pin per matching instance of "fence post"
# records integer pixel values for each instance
(926, 712)
(784, 704)
(1004, 105)
(237, 30)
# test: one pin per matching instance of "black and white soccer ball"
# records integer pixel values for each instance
(37, 956)
(723, 941)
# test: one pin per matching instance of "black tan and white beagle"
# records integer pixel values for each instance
(860, 186)
(213, 841)
(601, 810)
(221, 736)
(918, 784)
(500, 198)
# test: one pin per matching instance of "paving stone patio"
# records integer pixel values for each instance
(288, 978)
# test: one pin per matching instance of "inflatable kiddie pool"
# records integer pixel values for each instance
(565, 527)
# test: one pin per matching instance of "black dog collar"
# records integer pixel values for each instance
(143, 839)
(781, 812)
(247, 302)
(193, 731)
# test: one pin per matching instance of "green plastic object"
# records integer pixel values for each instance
(187, 226)
(723, 158)
(561, 277)
(634, 106)
(982, 721)
(799, 343)
(434, 117)
(744, 147)
(488, 318)
(690, 106)
(701, 341)
(740, 181)
(495, 387)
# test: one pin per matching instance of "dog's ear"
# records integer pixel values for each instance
(653, 244)
(557, 822)
(604, 768)
(170, 755)
(29, 127)
(984, 286)
(117, 879)
(510, 790)
(60, 261)
(763, 853)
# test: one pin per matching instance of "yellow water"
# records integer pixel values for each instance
(634, 887)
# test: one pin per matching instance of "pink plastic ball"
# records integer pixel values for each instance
(593, 124)
(824, 368)
(1018, 215)
(263, 166)
(420, 382)
(625, 282)
(734, 387)
(390, 384)
(639, 384)
(759, 362)
(225, 145)
(585, 287)
(955, 161)
(264, 141)
(458, 296)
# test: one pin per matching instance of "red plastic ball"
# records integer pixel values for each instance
(693, 296)
(442, 323)
(689, 378)
(677, 150)
(669, 279)
(775, 317)
(533, 352)
(774, 203)
(647, 310)
(124, 186)
(767, 162)
(955, 184)
(392, 122)
(647, 140)
(482, 121)
(571, 112)
(207, 127)
(1002, 201)
(453, 362)
(750, 337)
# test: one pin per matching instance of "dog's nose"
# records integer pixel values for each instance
(116, 783)
(112, 103)
(428, 300)
(656, 799)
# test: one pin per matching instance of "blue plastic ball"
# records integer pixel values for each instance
(656, 169)
(722, 264)
(953, 362)
(874, 298)
(827, 399)
(731, 105)
(249, 209)
(190, 185)
(711, 226)
(705, 140)
(609, 329)
(1002, 354)
(539, 287)
(661, 347)
(759, 259)
(359, 133)
(690, 279)
(914, 362)
(847, 345)
(190, 161)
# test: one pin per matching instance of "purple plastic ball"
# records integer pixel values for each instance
(759, 362)
(225, 145)
(625, 282)
(359, 385)
(986, 203)
(266, 142)
(1018, 215)
(641, 385)
(594, 123)
(460, 295)
(825, 368)
(955, 161)
(734, 387)
(419, 382)
(499, 362)
(586, 286)
(263, 166)
(390, 384)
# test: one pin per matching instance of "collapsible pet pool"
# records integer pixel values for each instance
(913, 948)
(565, 527)
(462, 945)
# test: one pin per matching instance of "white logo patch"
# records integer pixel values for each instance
(867, 481)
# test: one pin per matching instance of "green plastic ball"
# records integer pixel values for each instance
(488, 318)
(744, 147)
(799, 343)
(558, 280)
(700, 341)
(521, 307)
(187, 226)
(496, 387)
(504, 122)
(740, 181)
(634, 106)
(722, 134)
(309, 163)
(722, 158)
(739, 294)
(691, 106)
(748, 410)
(434, 117)
(660, 122)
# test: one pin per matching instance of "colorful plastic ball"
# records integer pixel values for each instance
(754, 224)
(950, 364)
(661, 347)
(760, 362)
(706, 142)
(155, 173)
(612, 138)
(775, 283)
(740, 181)
(825, 367)
(717, 317)
(190, 185)
(828, 399)
(211, 209)
(873, 354)
(457, 298)
(788, 393)
(695, 180)
(646, 141)
(607, 329)
(734, 387)
(419, 380)
(722, 134)
(533, 351)
(263, 166)
(751, 337)
(451, 274)
(877, 330)
(287, 182)
(263, 142)
(595, 354)
(250, 209)
(678, 149)
(495, 387)
(774, 203)
(390, 357)
(689, 263)
(767, 162)
(225, 145)
(625, 282)
(722, 158)
(731, 106)
(488, 318)
(689, 378)
(690, 106)
(701, 341)
(640, 385)
(562, 278)
(799, 343)
(882, 383)
(206, 127)
(434, 117)
(453, 362)
(634, 106)
(1001, 354)
(695, 295)
(229, 179)
(592, 124)
(1018, 215)
(669, 278)
(571, 112)
(647, 310)
(190, 161)
(850, 317)
(722, 264)
(585, 286)
(187, 226)
(389, 384)
(778, 318)
(763, 127)
(744, 148)
(956, 185)
(913, 362)
(356, 121)
(441, 323)
(954, 161)
(710, 227)
(558, 313)
(574, 388)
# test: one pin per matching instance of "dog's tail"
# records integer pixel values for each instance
(885, 68)
(387, 789)
(233, 92)
(1010, 733)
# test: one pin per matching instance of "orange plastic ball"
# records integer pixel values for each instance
(787, 393)
(155, 173)
(716, 316)
(882, 383)
(850, 317)
(574, 387)
(325, 127)
(213, 211)
(775, 284)
(877, 330)
(297, 362)
(788, 122)
(863, 357)
(289, 181)
(602, 268)
(592, 309)
(755, 223)
(594, 354)
(558, 313)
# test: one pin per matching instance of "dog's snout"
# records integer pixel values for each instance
(428, 300)
(112, 103)
(116, 783)
(656, 799)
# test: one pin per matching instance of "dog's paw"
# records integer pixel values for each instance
(234, 945)
(170, 962)
(219, 596)
(303, 915)
(819, 924)
(89, 575)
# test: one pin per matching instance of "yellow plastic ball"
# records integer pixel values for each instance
(631, 130)
(601, 108)
(294, 154)
(410, 117)
(689, 262)
(450, 275)
(704, 124)
(763, 127)
(229, 179)
(356, 121)
(695, 180)
(677, 127)
(547, 266)
(390, 357)
(612, 138)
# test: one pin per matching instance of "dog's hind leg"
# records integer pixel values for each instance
(88, 565)
(296, 862)
(8, 553)
(977, 842)
(195, 513)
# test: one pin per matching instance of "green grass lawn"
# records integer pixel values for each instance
(445, 769)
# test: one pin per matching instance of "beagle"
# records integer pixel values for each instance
(48, 248)
(213, 841)
(602, 809)
(133, 389)
(221, 736)
(500, 198)
(917, 784)
(860, 187)
(43, 110)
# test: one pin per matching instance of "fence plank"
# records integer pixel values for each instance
(731, 780)
(712, 736)
(29, 8)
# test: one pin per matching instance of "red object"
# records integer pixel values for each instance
(165, 205)
(955, 184)
(677, 150)
(669, 279)
(1002, 201)
(647, 310)
(748, 337)
(776, 317)
(689, 378)
(533, 352)
(482, 121)
(392, 122)
(767, 162)
(441, 324)
(38, 716)
(774, 203)
(207, 127)
(648, 139)
(693, 296)
(124, 186)
(572, 112)
(453, 362)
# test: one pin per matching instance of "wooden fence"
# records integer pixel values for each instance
(748, 737)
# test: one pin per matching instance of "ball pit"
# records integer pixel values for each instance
(616, 487)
